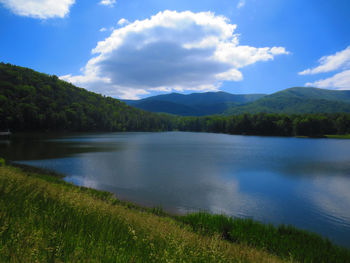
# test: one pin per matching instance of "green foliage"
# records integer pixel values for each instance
(345, 136)
(44, 219)
(314, 125)
(285, 241)
(2, 162)
(195, 104)
(35, 101)
(297, 101)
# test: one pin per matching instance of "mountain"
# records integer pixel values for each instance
(291, 101)
(298, 100)
(30, 100)
(195, 104)
(33, 101)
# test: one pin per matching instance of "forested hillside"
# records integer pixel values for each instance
(35, 101)
(297, 101)
(32, 101)
(195, 104)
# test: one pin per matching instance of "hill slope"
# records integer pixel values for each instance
(195, 104)
(30, 100)
(298, 100)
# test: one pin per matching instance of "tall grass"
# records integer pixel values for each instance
(284, 241)
(339, 136)
(44, 219)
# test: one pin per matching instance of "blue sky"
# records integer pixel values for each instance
(162, 46)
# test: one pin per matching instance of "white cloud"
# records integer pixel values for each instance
(231, 75)
(42, 9)
(109, 3)
(170, 51)
(330, 63)
(123, 21)
(104, 29)
(240, 4)
(340, 81)
(130, 94)
(338, 61)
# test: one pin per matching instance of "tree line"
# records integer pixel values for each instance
(32, 101)
(269, 124)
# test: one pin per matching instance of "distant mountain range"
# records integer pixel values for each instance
(195, 104)
(292, 100)
(33, 101)
(298, 100)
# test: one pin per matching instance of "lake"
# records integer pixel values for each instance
(298, 181)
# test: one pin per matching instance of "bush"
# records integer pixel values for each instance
(2, 162)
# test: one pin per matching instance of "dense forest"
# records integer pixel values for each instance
(32, 101)
(296, 100)
(195, 104)
(269, 124)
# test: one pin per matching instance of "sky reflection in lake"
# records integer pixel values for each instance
(303, 182)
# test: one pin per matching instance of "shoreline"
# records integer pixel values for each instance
(73, 133)
(345, 136)
(251, 233)
(49, 220)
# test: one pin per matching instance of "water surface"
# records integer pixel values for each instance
(303, 182)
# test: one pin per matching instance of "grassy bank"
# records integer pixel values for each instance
(345, 136)
(44, 219)
(284, 241)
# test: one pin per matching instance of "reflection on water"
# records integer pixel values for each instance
(303, 182)
(36, 146)
(332, 195)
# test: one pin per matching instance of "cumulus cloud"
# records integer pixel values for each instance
(339, 61)
(123, 21)
(330, 63)
(109, 3)
(42, 9)
(240, 4)
(169, 51)
(340, 81)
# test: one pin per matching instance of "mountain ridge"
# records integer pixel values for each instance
(291, 101)
(194, 104)
(298, 100)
